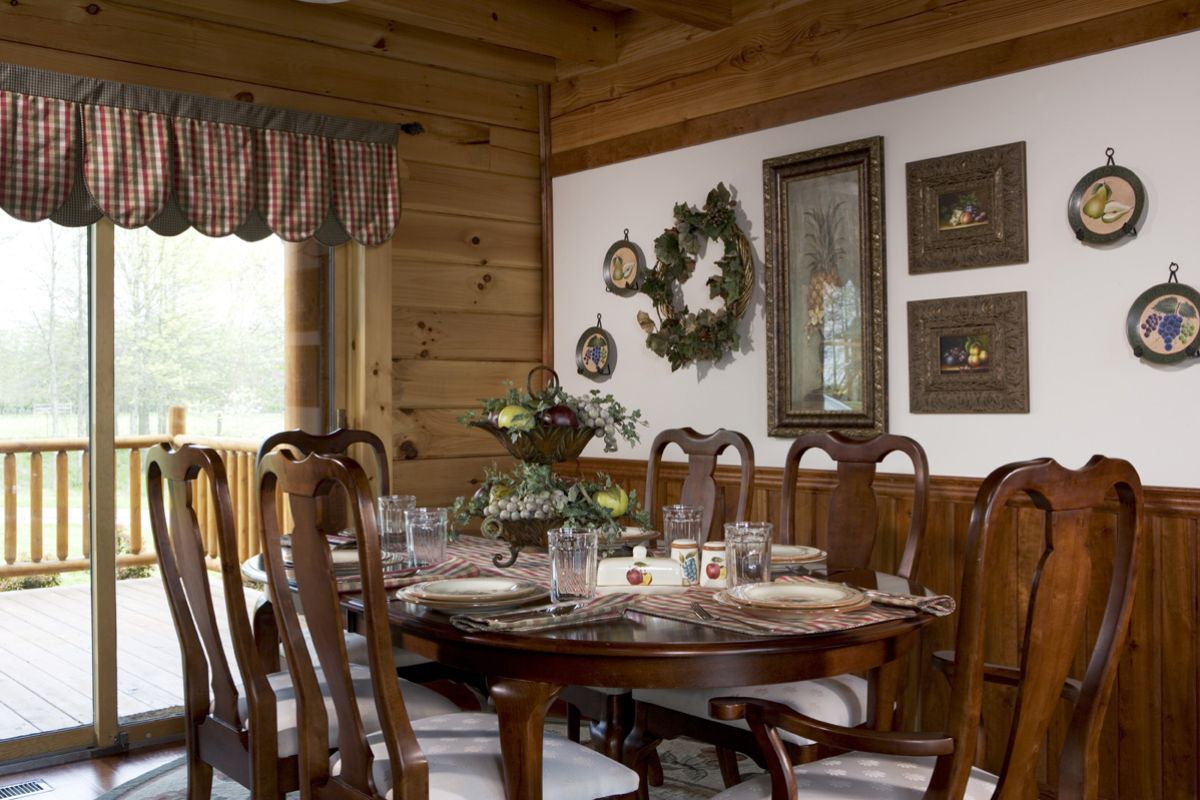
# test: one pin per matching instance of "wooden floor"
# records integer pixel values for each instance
(45, 655)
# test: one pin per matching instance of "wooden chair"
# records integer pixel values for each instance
(612, 709)
(339, 442)
(245, 728)
(851, 531)
(1056, 622)
(453, 755)
(700, 487)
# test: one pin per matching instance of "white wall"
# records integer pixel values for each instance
(1088, 393)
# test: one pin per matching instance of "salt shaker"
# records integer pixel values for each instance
(687, 553)
(712, 566)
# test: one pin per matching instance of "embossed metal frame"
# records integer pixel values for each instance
(1000, 171)
(866, 157)
(1003, 389)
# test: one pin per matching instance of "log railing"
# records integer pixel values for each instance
(49, 550)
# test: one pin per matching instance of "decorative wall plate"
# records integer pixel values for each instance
(1106, 204)
(1163, 323)
(596, 353)
(624, 265)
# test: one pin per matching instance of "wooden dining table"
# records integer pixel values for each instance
(527, 670)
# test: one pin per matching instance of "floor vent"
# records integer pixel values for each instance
(24, 789)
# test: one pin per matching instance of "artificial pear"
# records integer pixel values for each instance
(1094, 207)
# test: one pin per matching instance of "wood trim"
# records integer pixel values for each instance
(547, 227)
(1150, 22)
(102, 467)
(710, 15)
(369, 326)
(1160, 500)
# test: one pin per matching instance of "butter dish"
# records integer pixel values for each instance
(640, 574)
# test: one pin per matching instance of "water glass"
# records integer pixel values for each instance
(427, 529)
(681, 522)
(747, 552)
(572, 563)
(391, 523)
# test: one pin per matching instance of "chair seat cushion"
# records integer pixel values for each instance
(463, 753)
(356, 652)
(862, 776)
(420, 702)
(841, 700)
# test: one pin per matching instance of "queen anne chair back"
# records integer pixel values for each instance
(303, 483)
(853, 516)
(700, 487)
(1055, 622)
(242, 745)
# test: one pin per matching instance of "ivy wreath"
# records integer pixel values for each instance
(683, 337)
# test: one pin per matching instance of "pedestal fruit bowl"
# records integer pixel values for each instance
(541, 428)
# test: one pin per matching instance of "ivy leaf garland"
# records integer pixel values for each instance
(682, 337)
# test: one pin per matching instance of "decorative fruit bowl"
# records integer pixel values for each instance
(540, 444)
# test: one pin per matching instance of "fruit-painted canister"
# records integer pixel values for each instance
(712, 568)
(687, 553)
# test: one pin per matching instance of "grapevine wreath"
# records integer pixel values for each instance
(682, 337)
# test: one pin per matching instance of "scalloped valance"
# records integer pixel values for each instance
(74, 150)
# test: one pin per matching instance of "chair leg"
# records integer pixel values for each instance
(727, 760)
(573, 720)
(654, 770)
(640, 752)
(200, 779)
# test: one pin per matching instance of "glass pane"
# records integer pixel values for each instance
(199, 354)
(45, 579)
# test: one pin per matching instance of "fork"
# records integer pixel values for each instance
(706, 615)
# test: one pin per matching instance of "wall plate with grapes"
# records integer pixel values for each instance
(1163, 323)
(596, 353)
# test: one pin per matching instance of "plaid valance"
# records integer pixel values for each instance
(74, 150)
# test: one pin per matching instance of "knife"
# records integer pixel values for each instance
(537, 613)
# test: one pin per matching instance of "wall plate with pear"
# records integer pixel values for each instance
(624, 265)
(1106, 204)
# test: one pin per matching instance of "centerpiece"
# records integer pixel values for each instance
(540, 429)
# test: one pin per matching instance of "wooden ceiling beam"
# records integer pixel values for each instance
(555, 29)
(801, 49)
(1158, 20)
(343, 26)
(711, 15)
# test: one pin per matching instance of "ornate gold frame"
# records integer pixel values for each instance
(865, 157)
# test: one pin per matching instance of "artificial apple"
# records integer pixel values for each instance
(515, 417)
(559, 416)
(615, 500)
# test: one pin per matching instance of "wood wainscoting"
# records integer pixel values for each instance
(1151, 738)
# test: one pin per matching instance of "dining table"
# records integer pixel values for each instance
(644, 642)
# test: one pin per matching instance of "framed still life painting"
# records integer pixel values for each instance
(826, 319)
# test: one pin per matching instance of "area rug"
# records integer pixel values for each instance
(690, 772)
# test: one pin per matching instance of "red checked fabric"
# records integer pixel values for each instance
(219, 174)
(214, 174)
(126, 162)
(37, 154)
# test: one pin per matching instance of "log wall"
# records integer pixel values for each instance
(467, 260)
(1151, 740)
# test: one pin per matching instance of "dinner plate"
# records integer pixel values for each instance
(791, 613)
(795, 554)
(472, 590)
(494, 601)
(800, 595)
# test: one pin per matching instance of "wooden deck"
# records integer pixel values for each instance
(46, 655)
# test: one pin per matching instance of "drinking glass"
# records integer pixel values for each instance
(391, 523)
(427, 529)
(681, 522)
(572, 563)
(747, 552)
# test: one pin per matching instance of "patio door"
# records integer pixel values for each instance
(112, 341)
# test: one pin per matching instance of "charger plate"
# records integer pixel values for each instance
(792, 614)
(459, 594)
(798, 596)
(795, 554)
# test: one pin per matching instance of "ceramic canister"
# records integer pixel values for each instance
(687, 553)
(713, 564)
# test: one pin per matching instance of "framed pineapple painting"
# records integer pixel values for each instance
(826, 318)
